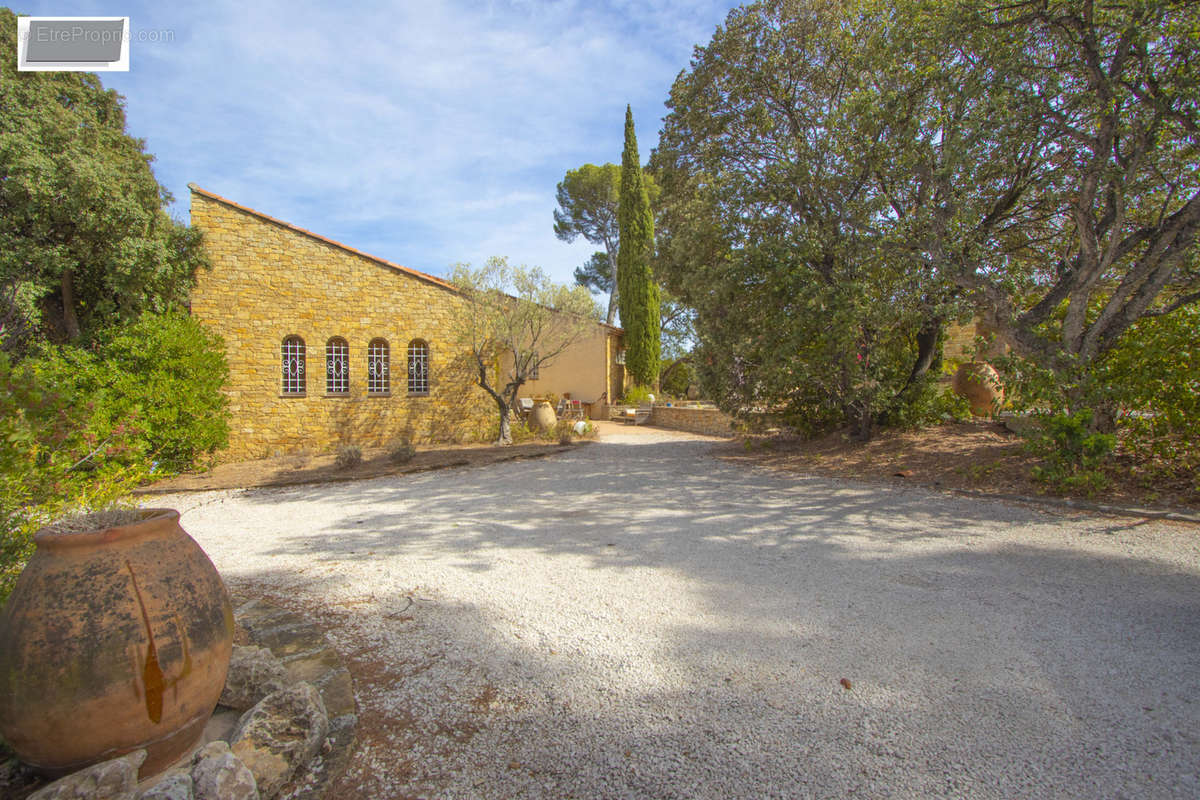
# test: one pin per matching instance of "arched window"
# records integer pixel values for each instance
(418, 367)
(291, 354)
(378, 379)
(337, 366)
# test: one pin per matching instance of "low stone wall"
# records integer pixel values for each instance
(708, 421)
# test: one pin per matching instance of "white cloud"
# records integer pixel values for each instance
(427, 134)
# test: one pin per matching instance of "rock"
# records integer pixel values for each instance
(254, 673)
(281, 735)
(217, 774)
(175, 784)
(108, 780)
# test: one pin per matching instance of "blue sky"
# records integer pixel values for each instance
(426, 133)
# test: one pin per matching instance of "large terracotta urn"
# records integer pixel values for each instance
(979, 383)
(543, 417)
(113, 640)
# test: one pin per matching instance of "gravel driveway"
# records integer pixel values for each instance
(637, 619)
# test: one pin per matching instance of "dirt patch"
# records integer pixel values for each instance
(299, 468)
(974, 456)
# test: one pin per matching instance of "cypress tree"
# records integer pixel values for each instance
(637, 293)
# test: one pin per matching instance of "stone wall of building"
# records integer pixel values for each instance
(707, 421)
(960, 343)
(271, 280)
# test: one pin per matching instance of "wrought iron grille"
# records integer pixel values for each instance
(337, 366)
(292, 361)
(418, 367)
(378, 380)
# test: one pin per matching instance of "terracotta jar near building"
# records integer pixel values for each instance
(543, 417)
(979, 383)
(115, 638)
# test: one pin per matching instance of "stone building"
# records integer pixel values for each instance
(329, 345)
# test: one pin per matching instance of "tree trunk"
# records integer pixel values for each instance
(505, 437)
(928, 355)
(612, 294)
(865, 423)
(927, 350)
(70, 321)
(1104, 419)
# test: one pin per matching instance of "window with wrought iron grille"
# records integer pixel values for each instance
(292, 361)
(337, 366)
(533, 366)
(418, 367)
(378, 379)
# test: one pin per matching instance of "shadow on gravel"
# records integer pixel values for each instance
(975, 670)
(642, 495)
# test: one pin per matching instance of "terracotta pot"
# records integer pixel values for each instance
(113, 640)
(543, 416)
(979, 383)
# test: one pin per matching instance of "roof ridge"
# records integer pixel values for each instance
(382, 261)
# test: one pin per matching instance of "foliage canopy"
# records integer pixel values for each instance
(83, 227)
(840, 180)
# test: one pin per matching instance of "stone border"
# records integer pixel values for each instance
(365, 473)
(307, 656)
(1067, 503)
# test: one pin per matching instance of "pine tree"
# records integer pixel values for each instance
(637, 293)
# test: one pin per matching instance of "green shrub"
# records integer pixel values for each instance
(677, 377)
(54, 461)
(164, 369)
(637, 395)
(298, 459)
(1073, 455)
(929, 403)
(348, 455)
(401, 452)
(1146, 391)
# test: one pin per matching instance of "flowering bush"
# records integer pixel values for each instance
(53, 462)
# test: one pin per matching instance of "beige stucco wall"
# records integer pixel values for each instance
(269, 281)
(581, 369)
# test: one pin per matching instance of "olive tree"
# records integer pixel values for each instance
(516, 321)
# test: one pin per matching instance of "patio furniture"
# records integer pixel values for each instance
(524, 406)
(573, 409)
(639, 415)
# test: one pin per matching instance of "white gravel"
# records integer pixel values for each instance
(637, 619)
